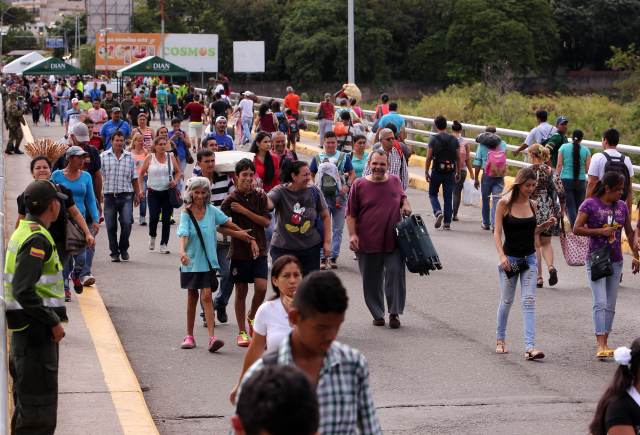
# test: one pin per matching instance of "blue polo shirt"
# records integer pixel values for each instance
(110, 127)
(223, 140)
(392, 118)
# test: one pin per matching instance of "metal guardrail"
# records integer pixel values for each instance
(417, 126)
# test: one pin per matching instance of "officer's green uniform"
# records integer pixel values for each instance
(15, 119)
(109, 104)
(34, 297)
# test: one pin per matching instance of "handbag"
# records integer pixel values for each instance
(76, 240)
(188, 156)
(212, 271)
(574, 248)
(175, 199)
(600, 259)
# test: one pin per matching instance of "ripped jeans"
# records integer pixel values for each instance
(527, 299)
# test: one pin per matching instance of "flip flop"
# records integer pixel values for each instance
(553, 276)
(533, 354)
(500, 348)
(539, 282)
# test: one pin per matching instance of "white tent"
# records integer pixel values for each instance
(20, 64)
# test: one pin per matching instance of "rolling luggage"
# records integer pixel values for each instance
(415, 245)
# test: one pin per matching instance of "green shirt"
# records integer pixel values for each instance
(554, 143)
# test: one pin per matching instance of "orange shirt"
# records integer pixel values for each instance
(292, 101)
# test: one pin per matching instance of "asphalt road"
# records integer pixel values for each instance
(437, 374)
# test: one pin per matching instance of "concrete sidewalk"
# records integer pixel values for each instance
(98, 392)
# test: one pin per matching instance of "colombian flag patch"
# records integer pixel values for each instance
(35, 252)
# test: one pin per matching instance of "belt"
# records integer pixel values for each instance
(118, 194)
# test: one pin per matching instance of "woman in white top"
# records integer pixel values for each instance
(159, 181)
(271, 324)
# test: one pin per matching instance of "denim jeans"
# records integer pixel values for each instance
(448, 182)
(605, 294)
(247, 123)
(527, 300)
(226, 283)
(574, 195)
(324, 126)
(162, 111)
(337, 225)
(73, 267)
(159, 204)
(457, 192)
(491, 188)
(118, 208)
(143, 202)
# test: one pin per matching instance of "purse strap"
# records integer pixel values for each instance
(195, 224)
(168, 155)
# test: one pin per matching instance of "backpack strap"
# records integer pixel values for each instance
(341, 160)
(270, 359)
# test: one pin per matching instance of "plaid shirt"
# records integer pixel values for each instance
(397, 167)
(117, 174)
(344, 397)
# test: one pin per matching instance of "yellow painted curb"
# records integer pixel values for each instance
(121, 381)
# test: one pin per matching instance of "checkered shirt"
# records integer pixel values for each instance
(117, 174)
(344, 397)
(397, 167)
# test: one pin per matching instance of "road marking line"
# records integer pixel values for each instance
(121, 381)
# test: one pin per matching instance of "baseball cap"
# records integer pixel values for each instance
(81, 132)
(562, 120)
(247, 93)
(221, 118)
(74, 101)
(75, 151)
(116, 109)
(40, 191)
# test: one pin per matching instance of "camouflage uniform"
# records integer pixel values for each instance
(15, 119)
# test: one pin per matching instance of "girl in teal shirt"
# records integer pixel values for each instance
(573, 165)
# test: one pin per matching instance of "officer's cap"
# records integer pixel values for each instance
(40, 191)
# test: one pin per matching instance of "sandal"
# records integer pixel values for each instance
(533, 354)
(602, 354)
(553, 276)
(540, 282)
(500, 347)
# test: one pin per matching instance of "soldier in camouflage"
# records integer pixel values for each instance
(15, 120)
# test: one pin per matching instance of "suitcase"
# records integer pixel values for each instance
(415, 245)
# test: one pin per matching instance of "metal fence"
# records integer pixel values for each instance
(419, 130)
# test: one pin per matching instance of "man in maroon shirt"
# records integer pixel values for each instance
(373, 209)
(195, 111)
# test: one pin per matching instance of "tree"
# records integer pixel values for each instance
(17, 39)
(87, 57)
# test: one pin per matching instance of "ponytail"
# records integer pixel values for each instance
(577, 138)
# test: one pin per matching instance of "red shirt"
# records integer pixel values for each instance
(292, 101)
(260, 172)
(195, 111)
(327, 109)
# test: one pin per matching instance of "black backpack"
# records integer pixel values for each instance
(444, 154)
(616, 164)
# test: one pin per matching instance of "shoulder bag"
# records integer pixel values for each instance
(600, 259)
(574, 248)
(212, 271)
(175, 199)
(76, 241)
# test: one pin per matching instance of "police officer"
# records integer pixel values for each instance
(15, 119)
(34, 298)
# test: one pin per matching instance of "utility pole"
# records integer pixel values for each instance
(162, 29)
(351, 63)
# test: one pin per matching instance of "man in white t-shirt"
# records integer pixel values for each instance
(610, 140)
(245, 107)
(538, 134)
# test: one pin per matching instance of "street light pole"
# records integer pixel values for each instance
(162, 29)
(351, 67)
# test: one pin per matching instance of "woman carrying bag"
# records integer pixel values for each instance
(198, 255)
(602, 218)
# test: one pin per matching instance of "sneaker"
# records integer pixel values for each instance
(379, 322)
(332, 263)
(221, 314)
(323, 264)
(394, 321)
(355, 256)
(446, 227)
(439, 218)
(143, 221)
(124, 256)
(250, 322)
(67, 296)
(164, 249)
(188, 343)
(485, 227)
(115, 258)
(88, 280)
(455, 219)
(77, 286)
(152, 243)
(243, 340)
(215, 344)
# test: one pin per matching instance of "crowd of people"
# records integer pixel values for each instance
(277, 219)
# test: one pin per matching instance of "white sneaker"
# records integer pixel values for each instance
(164, 249)
(143, 220)
(88, 280)
(152, 243)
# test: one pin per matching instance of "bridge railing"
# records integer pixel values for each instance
(420, 129)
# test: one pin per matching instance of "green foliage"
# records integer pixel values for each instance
(18, 39)
(627, 60)
(16, 16)
(87, 57)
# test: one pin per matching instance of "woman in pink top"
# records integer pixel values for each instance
(465, 163)
(357, 109)
(98, 115)
(138, 152)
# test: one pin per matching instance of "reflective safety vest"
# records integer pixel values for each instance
(50, 286)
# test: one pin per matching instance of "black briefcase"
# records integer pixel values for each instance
(415, 245)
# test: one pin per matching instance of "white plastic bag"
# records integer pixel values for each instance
(469, 192)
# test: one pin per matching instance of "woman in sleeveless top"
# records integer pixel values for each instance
(548, 191)
(144, 130)
(516, 214)
(139, 153)
(266, 120)
(156, 169)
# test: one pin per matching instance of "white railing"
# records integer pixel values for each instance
(417, 126)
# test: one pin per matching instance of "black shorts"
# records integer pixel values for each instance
(246, 271)
(198, 280)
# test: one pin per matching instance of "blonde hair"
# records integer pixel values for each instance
(133, 140)
(540, 151)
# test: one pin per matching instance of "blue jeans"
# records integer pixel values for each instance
(162, 110)
(324, 125)
(491, 188)
(574, 195)
(605, 294)
(73, 267)
(226, 284)
(448, 182)
(247, 123)
(143, 202)
(337, 226)
(118, 208)
(527, 300)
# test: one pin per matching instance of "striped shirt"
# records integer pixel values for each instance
(344, 397)
(117, 173)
